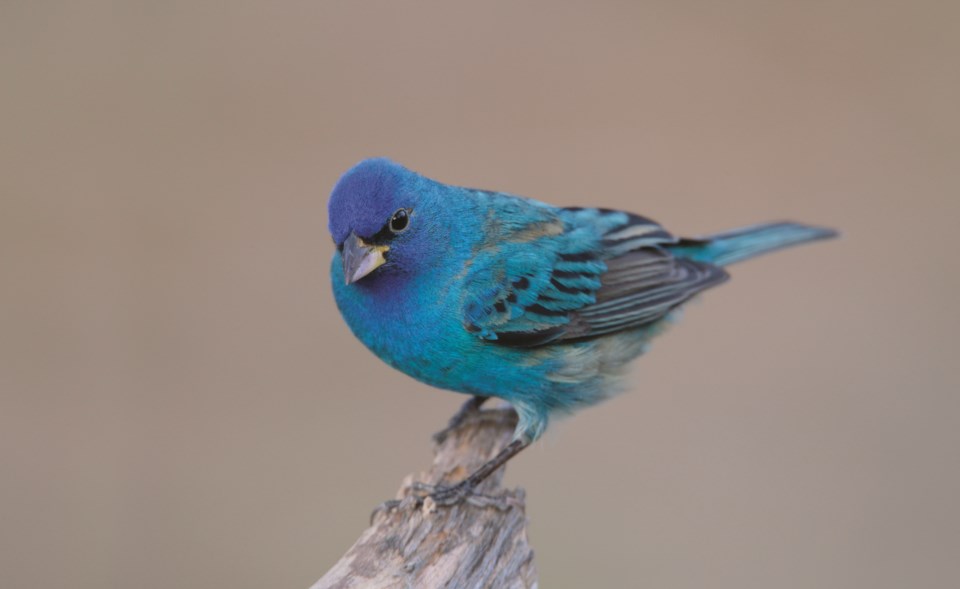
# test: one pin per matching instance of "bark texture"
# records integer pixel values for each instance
(479, 543)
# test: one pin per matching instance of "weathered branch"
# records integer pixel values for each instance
(479, 543)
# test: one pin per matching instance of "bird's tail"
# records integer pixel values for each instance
(734, 246)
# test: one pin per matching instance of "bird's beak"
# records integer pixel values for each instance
(360, 258)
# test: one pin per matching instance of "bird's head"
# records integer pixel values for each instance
(374, 216)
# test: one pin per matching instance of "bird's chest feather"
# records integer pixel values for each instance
(413, 325)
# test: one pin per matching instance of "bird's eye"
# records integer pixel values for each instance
(400, 221)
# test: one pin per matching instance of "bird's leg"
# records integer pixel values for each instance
(471, 405)
(464, 489)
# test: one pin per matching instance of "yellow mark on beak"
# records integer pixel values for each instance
(361, 258)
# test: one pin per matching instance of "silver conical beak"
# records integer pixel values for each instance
(361, 258)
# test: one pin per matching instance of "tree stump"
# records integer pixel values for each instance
(482, 542)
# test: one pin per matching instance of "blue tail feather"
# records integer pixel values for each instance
(735, 246)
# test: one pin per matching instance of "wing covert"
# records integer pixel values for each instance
(594, 272)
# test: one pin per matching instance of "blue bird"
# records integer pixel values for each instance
(496, 295)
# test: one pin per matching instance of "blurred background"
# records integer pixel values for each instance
(182, 405)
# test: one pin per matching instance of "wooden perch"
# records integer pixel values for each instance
(479, 543)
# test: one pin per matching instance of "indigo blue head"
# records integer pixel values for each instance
(378, 221)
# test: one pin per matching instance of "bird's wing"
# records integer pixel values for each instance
(577, 274)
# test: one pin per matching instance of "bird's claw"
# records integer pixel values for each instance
(443, 496)
(434, 496)
(431, 497)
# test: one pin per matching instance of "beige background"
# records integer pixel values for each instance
(182, 406)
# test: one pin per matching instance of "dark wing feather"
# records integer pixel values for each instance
(639, 288)
(604, 272)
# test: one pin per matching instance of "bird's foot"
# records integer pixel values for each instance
(471, 406)
(435, 496)
(430, 497)
(444, 496)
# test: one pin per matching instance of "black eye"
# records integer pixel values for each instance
(399, 221)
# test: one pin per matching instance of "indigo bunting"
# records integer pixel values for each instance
(497, 295)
